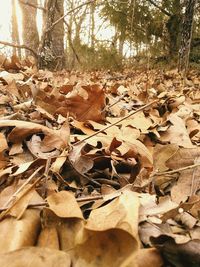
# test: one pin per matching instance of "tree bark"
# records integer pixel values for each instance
(29, 26)
(186, 37)
(15, 32)
(173, 26)
(51, 52)
(58, 35)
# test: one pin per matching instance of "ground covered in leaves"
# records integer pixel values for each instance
(99, 168)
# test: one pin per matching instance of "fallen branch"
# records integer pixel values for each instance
(19, 46)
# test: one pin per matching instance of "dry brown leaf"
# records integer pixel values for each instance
(111, 231)
(9, 77)
(16, 149)
(177, 132)
(19, 233)
(149, 258)
(64, 205)
(3, 143)
(22, 201)
(162, 154)
(35, 147)
(33, 256)
(48, 238)
(183, 254)
(81, 102)
(53, 138)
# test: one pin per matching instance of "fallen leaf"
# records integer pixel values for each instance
(33, 256)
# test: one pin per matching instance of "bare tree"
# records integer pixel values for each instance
(15, 32)
(29, 25)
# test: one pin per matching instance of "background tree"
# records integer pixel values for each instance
(15, 32)
(29, 26)
(186, 35)
(51, 52)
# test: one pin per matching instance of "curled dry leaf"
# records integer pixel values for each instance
(110, 230)
(177, 132)
(64, 205)
(9, 77)
(35, 147)
(183, 255)
(53, 138)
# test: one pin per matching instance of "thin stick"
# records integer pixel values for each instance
(19, 46)
(177, 170)
(44, 204)
(117, 122)
(22, 187)
(6, 211)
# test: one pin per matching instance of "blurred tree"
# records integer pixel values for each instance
(186, 35)
(29, 26)
(15, 32)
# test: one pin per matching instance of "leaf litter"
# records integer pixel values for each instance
(98, 169)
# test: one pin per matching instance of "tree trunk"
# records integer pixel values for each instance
(51, 52)
(58, 35)
(92, 10)
(15, 32)
(29, 26)
(186, 35)
(121, 44)
(173, 27)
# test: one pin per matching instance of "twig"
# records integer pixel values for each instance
(22, 187)
(19, 46)
(177, 170)
(44, 204)
(153, 175)
(117, 122)
(113, 104)
(8, 209)
(46, 172)
(69, 12)
(160, 8)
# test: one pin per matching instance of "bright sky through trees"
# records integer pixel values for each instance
(103, 33)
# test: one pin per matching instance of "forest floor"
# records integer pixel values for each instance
(99, 168)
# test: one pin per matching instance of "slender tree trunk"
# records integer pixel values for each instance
(76, 39)
(58, 35)
(121, 44)
(29, 26)
(15, 32)
(186, 38)
(92, 9)
(51, 52)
